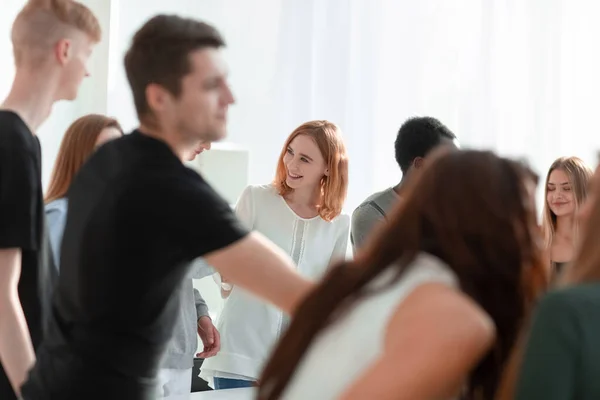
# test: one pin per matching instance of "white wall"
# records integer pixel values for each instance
(250, 29)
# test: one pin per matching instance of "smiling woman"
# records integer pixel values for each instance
(301, 213)
(566, 189)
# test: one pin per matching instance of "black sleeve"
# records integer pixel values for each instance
(200, 219)
(18, 194)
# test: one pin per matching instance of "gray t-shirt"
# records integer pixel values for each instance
(369, 213)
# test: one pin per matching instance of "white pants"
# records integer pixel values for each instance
(174, 382)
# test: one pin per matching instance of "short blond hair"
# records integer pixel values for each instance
(41, 23)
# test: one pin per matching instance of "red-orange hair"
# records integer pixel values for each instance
(334, 187)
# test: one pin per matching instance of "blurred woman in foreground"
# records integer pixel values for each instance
(432, 308)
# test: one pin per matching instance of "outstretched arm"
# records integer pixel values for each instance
(261, 267)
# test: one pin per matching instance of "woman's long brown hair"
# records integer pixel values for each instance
(472, 210)
(77, 145)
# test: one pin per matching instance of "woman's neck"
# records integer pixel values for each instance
(307, 198)
(564, 227)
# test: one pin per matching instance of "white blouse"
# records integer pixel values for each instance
(249, 327)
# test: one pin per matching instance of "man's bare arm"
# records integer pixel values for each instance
(16, 351)
(261, 267)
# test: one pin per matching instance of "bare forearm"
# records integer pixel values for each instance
(259, 266)
(16, 351)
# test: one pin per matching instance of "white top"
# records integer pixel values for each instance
(228, 394)
(249, 327)
(347, 349)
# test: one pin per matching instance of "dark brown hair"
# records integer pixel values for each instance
(160, 53)
(77, 145)
(472, 210)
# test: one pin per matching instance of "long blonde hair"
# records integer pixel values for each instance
(586, 263)
(584, 268)
(77, 145)
(579, 175)
(334, 187)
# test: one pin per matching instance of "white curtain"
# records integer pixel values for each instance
(519, 77)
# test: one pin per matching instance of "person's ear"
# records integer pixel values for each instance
(157, 97)
(63, 50)
(418, 162)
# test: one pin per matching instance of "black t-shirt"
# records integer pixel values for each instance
(137, 218)
(22, 219)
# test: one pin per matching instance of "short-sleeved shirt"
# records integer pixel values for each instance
(369, 214)
(137, 219)
(22, 219)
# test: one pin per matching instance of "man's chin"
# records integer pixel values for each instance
(216, 135)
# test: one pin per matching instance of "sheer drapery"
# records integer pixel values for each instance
(518, 77)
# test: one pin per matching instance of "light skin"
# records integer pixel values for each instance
(198, 114)
(305, 167)
(107, 135)
(35, 88)
(561, 201)
(434, 319)
(211, 339)
(200, 148)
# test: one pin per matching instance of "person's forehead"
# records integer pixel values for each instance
(207, 61)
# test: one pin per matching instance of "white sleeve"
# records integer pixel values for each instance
(244, 208)
(340, 250)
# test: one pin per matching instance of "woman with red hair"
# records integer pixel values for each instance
(301, 212)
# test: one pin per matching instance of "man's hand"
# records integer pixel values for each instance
(210, 338)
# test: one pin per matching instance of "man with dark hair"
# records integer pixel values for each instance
(137, 219)
(416, 138)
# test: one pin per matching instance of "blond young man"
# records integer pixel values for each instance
(52, 41)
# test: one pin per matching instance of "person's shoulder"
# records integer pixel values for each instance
(342, 221)
(570, 298)
(260, 193)
(376, 196)
(428, 267)
(263, 190)
(58, 205)
(14, 133)
(378, 201)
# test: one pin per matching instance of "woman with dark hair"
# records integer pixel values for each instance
(432, 307)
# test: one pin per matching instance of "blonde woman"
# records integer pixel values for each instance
(301, 213)
(559, 357)
(565, 191)
(80, 141)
